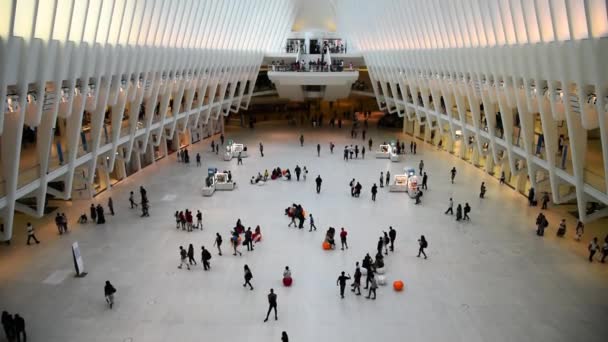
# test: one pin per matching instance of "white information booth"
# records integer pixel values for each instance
(217, 181)
(384, 151)
(233, 150)
(399, 184)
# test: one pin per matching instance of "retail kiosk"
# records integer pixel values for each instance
(216, 181)
(384, 151)
(413, 181)
(399, 184)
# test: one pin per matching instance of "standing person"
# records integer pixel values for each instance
(312, 223)
(343, 234)
(450, 207)
(356, 151)
(453, 173)
(388, 178)
(425, 179)
(387, 241)
(239, 159)
(422, 245)
(415, 146)
(458, 212)
(93, 213)
(218, 243)
(418, 196)
(331, 147)
(346, 153)
(363, 135)
(412, 147)
(199, 219)
(248, 276)
(109, 292)
(304, 173)
(420, 167)
(248, 239)
(222, 138)
(64, 222)
(318, 150)
(111, 206)
(362, 152)
(318, 181)
(191, 260)
(392, 234)
(482, 190)
(369, 144)
(467, 210)
(380, 245)
(183, 255)
(374, 192)
(604, 250)
(580, 230)
(381, 179)
(30, 233)
(373, 286)
(593, 247)
(545, 201)
(298, 172)
(59, 224)
(198, 159)
(356, 285)
(8, 326)
(132, 200)
(502, 177)
(20, 328)
(342, 283)
(261, 149)
(100, 216)
(301, 139)
(352, 187)
(531, 197)
(206, 256)
(272, 304)
(284, 337)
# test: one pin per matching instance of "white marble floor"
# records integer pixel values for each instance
(490, 279)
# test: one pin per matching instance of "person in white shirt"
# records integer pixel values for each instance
(30, 234)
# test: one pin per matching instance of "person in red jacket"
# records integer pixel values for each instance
(343, 234)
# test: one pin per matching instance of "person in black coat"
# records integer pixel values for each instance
(205, 257)
(392, 234)
(109, 292)
(248, 276)
(191, 260)
(9, 325)
(20, 328)
(342, 282)
(248, 240)
(459, 212)
(100, 216)
(93, 213)
(380, 245)
(356, 285)
(319, 181)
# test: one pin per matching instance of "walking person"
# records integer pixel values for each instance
(218, 243)
(362, 152)
(593, 247)
(545, 201)
(191, 260)
(312, 223)
(458, 212)
(248, 239)
(604, 250)
(199, 219)
(132, 200)
(301, 139)
(284, 337)
(381, 179)
(198, 159)
(374, 192)
(8, 324)
(111, 206)
(272, 304)
(235, 244)
(356, 285)
(239, 159)
(20, 328)
(422, 243)
(420, 167)
(109, 292)
(183, 255)
(392, 234)
(206, 256)
(30, 234)
(342, 283)
(482, 190)
(298, 172)
(318, 181)
(388, 178)
(261, 149)
(222, 139)
(318, 150)
(467, 210)
(425, 179)
(453, 173)
(369, 143)
(331, 147)
(502, 177)
(387, 241)
(580, 230)
(373, 286)
(248, 276)
(343, 234)
(450, 207)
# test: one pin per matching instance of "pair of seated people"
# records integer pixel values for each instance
(330, 237)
